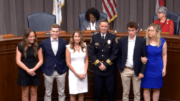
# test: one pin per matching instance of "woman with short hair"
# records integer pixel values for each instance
(91, 21)
(167, 25)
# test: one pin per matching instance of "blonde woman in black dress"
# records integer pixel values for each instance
(29, 58)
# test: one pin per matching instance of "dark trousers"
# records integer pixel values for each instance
(109, 82)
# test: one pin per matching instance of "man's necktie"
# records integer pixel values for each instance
(102, 37)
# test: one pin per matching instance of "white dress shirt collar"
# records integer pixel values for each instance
(54, 45)
(103, 35)
(134, 39)
(53, 40)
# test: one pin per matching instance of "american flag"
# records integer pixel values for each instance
(159, 3)
(110, 8)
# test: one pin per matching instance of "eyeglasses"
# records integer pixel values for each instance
(159, 12)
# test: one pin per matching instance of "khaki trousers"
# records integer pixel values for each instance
(126, 77)
(48, 81)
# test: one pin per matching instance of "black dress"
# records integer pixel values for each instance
(24, 79)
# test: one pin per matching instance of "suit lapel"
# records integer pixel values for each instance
(126, 45)
(86, 23)
(59, 41)
(99, 37)
(50, 46)
(136, 46)
(106, 38)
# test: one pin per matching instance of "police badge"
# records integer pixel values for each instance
(109, 41)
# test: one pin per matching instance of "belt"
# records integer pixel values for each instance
(129, 68)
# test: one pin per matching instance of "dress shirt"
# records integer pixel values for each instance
(54, 45)
(131, 45)
(103, 35)
(93, 26)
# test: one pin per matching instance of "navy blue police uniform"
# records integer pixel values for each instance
(104, 51)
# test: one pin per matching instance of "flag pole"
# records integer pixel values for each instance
(111, 25)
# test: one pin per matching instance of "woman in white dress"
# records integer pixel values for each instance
(77, 61)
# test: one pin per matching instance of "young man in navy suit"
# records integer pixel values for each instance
(130, 50)
(54, 66)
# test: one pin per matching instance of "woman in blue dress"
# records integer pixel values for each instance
(156, 62)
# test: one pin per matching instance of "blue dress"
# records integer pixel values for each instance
(153, 76)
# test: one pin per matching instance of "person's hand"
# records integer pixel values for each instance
(31, 72)
(85, 73)
(81, 76)
(163, 72)
(140, 76)
(144, 60)
(102, 67)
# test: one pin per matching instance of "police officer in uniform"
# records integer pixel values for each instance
(103, 51)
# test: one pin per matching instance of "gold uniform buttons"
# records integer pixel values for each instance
(102, 55)
(102, 50)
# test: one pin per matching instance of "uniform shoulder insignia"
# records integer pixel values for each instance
(95, 33)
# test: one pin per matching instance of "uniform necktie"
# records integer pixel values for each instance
(102, 37)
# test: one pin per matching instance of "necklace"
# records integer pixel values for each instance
(77, 47)
(163, 23)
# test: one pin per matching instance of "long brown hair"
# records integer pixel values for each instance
(81, 43)
(25, 42)
(158, 35)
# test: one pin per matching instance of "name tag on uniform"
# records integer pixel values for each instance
(96, 44)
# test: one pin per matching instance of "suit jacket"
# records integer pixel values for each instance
(139, 51)
(104, 51)
(54, 61)
(86, 23)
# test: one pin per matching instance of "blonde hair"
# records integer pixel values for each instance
(55, 26)
(158, 34)
(81, 43)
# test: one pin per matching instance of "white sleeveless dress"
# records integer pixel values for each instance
(77, 85)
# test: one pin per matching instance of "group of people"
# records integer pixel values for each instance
(141, 59)
(92, 19)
